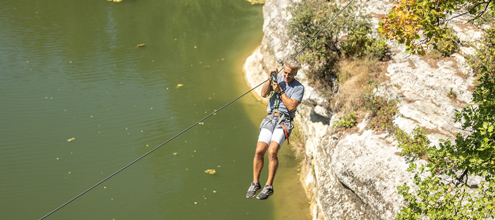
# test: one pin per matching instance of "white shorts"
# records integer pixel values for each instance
(267, 136)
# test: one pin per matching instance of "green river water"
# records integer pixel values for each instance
(79, 101)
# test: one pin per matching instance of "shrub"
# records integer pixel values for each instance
(324, 52)
(445, 46)
(486, 52)
(359, 44)
(414, 144)
(382, 110)
(346, 121)
(378, 48)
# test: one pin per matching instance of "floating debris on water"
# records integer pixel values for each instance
(71, 139)
(210, 171)
(256, 2)
(179, 85)
(140, 45)
(175, 153)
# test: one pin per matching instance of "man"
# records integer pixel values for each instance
(285, 95)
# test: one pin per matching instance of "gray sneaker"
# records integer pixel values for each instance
(265, 193)
(253, 189)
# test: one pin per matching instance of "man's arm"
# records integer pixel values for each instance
(266, 89)
(290, 103)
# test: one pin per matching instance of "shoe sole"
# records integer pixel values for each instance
(263, 198)
(248, 197)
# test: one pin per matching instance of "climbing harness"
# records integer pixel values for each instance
(188, 128)
(283, 120)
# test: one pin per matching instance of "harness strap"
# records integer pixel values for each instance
(281, 117)
(286, 134)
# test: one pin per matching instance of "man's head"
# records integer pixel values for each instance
(291, 67)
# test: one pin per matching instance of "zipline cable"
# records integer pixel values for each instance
(149, 152)
(185, 130)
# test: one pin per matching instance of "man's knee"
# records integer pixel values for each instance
(261, 148)
(273, 151)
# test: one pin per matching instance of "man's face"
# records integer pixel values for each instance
(289, 74)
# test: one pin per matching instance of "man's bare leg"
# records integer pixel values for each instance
(258, 161)
(272, 162)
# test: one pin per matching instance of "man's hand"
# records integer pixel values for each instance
(270, 78)
(276, 87)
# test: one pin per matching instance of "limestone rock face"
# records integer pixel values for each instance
(355, 176)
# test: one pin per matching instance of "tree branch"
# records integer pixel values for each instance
(480, 14)
(461, 177)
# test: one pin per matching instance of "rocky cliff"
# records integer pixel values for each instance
(355, 176)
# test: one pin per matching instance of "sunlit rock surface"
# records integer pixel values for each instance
(355, 176)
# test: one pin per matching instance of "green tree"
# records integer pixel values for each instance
(419, 23)
(442, 189)
(445, 192)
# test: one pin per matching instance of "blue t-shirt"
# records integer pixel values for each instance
(294, 90)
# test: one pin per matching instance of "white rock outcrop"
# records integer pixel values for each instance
(355, 176)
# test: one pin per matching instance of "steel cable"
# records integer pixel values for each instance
(188, 128)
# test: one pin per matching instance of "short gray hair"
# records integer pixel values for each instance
(293, 64)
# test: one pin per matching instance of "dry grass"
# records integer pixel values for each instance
(354, 78)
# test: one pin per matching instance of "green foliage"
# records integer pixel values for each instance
(486, 52)
(382, 110)
(446, 46)
(486, 18)
(419, 23)
(378, 48)
(359, 44)
(346, 121)
(446, 194)
(324, 52)
(443, 191)
(414, 144)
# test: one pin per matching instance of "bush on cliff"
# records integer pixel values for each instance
(347, 36)
(414, 144)
(486, 53)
